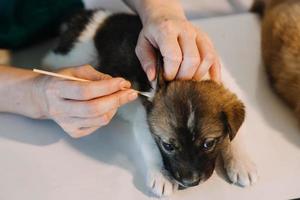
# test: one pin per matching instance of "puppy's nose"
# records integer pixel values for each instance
(192, 180)
(190, 183)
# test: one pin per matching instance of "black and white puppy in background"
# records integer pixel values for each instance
(183, 127)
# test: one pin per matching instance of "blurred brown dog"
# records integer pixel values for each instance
(281, 49)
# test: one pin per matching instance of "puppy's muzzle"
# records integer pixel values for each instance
(188, 179)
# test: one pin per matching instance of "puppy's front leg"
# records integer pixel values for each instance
(237, 163)
(157, 181)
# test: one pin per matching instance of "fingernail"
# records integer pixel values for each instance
(150, 73)
(219, 75)
(204, 67)
(106, 77)
(218, 78)
(125, 84)
(132, 96)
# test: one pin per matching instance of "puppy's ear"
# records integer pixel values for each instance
(233, 117)
(147, 102)
(161, 83)
(157, 85)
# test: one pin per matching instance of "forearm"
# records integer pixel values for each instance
(17, 92)
(151, 9)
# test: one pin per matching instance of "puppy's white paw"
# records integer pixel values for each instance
(241, 170)
(159, 184)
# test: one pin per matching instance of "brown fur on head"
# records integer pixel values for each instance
(192, 122)
(281, 49)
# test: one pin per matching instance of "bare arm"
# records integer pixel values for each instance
(17, 92)
(147, 8)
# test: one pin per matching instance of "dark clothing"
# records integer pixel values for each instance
(25, 21)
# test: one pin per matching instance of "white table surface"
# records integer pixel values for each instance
(39, 161)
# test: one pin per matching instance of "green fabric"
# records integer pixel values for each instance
(25, 21)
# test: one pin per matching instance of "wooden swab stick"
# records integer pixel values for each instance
(76, 79)
(60, 75)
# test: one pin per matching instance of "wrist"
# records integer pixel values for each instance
(16, 91)
(37, 95)
(156, 10)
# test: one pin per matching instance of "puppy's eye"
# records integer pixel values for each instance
(168, 147)
(209, 144)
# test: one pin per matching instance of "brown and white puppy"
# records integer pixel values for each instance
(192, 123)
(281, 49)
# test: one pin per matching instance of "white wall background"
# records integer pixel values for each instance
(194, 8)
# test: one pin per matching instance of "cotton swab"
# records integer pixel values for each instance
(76, 79)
